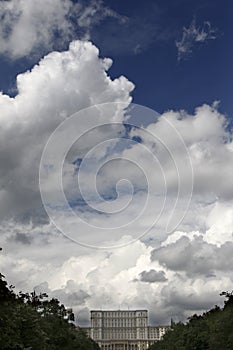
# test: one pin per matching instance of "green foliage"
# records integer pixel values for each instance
(32, 322)
(211, 331)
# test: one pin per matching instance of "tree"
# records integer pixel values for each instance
(33, 322)
(212, 330)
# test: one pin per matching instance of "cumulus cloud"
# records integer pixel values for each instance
(61, 84)
(209, 146)
(149, 272)
(87, 279)
(195, 256)
(194, 36)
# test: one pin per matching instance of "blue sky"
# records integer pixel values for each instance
(143, 49)
(171, 178)
(163, 83)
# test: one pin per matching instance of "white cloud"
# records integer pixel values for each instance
(28, 27)
(87, 279)
(94, 13)
(61, 84)
(208, 143)
(219, 223)
(33, 28)
(36, 255)
(193, 36)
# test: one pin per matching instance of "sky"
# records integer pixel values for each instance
(116, 153)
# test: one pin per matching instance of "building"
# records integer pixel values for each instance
(123, 329)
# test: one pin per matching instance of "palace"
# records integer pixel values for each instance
(123, 329)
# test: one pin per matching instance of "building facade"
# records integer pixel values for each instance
(123, 329)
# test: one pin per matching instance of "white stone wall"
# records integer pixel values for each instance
(123, 329)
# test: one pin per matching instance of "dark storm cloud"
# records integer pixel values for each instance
(22, 238)
(177, 300)
(195, 257)
(152, 276)
(70, 294)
